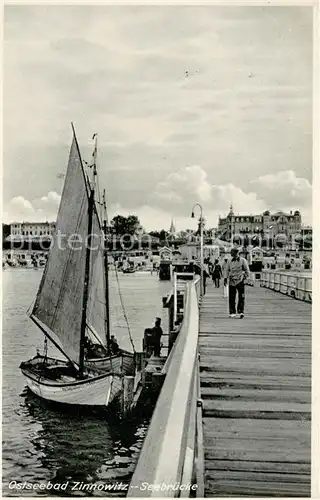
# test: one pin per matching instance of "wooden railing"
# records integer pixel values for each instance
(299, 287)
(171, 459)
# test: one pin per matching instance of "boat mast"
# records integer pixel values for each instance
(106, 270)
(87, 268)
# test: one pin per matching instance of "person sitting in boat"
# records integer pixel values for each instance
(114, 346)
(93, 350)
(88, 347)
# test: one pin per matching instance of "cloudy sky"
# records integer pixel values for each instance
(192, 104)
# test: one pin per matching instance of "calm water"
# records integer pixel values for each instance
(40, 444)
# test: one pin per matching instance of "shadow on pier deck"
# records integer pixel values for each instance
(255, 378)
(233, 417)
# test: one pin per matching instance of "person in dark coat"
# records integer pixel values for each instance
(216, 273)
(148, 342)
(156, 334)
(114, 346)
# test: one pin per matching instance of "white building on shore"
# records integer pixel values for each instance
(30, 230)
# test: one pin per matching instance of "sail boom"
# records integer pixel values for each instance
(95, 334)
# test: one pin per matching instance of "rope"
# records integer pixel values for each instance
(123, 310)
(32, 303)
(120, 296)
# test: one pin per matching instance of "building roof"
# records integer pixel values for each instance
(33, 223)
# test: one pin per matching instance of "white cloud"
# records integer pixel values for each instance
(189, 183)
(52, 197)
(284, 189)
(21, 209)
(181, 189)
(21, 205)
(243, 202)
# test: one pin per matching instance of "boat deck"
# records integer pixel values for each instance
(255, 376)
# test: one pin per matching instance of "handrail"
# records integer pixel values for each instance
(167, 444)
(298, 286)
(197, 284)
(298, 274)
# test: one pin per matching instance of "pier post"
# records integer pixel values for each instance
(140, 364)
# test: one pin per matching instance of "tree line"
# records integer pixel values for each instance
(121, 225)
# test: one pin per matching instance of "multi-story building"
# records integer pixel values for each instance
(31, 230)
(306, 238)
(306, 231)
(266, 225)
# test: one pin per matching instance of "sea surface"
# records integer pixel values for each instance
(41, 445)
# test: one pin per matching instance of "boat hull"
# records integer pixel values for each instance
(94, 391)
(118, 364)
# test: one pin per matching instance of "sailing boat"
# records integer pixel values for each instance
(72, 306)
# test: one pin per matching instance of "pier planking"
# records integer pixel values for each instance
(255, 382)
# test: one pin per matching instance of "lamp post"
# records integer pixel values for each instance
(201, 244)
(269, 228)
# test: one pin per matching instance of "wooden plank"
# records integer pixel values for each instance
(248, 369)
(259, 466)
(259, 433)
(299, 380)
(253, 488)
(274, 455)
(255, 341)
(263, 330)
(241, 405)
(238, 443)
(247, 425)
(248, 475)
(216, 393)
(256, 353)
(254, 367)
(271, 415)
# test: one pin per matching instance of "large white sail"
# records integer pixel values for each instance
(96, 308)
(60, 297)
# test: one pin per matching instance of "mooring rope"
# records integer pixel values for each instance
(124, 311)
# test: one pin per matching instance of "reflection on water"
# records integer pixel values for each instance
(41, 444)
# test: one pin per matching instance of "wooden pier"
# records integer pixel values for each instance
(233, 417)
(255, 377)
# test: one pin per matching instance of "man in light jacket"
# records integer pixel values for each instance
(236, 272)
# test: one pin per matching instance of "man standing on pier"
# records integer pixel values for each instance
(236, 271)
(156, 334)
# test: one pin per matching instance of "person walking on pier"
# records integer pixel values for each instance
(224, 265)
(236, 272)
(216, 274)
